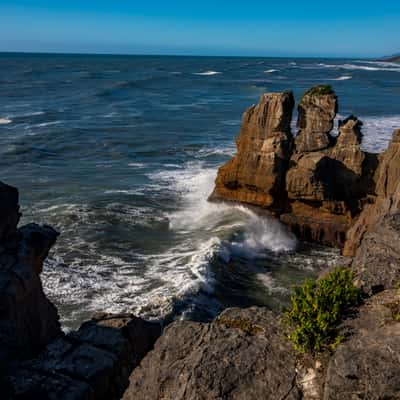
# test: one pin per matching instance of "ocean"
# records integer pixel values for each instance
(119, 153)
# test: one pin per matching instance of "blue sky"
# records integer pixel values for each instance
(203, 27)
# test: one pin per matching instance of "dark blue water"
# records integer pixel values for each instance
(120, 154)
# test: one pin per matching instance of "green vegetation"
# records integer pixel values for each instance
(243, 324)
(319, 90)
(317, 307)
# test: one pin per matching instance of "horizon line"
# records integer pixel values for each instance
(72, 53)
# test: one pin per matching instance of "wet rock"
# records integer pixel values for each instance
(243, 354)
(256, 174)
(367, 365)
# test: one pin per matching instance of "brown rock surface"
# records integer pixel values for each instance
(387, 196)
(319, 185)
(243, 354)
(316, 113)
(256, 174)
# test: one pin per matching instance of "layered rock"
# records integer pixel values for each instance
(316, 113)
(256, 174)
(243, 354)
(93, 363)
(367, 365)
(320, 183)
(37, 361)
(387, 192)
(28, 320)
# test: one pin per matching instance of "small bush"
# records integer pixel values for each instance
(319, 90)
(317, 307)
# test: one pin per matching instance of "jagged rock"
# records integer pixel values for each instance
(320, 185)
(316, 113)
(243, 354)
(367, 364)
(377, 260)
(28, 320)
(93, 363)
(387, 196)
(256, 174)
(9, 210)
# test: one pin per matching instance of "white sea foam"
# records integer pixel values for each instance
(5, 121)
(378, 132)
(270, 71)
(394, 68)
(343, 78)
(208, 73)
(136, 165)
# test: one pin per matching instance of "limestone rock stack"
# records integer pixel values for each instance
(317, 183)
(256, 174)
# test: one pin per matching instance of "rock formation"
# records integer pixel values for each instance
(375, 235)
(37, 361)
(320, 183)
(366, 365)
(256, 174)
(243, 354)
(93, 363)
(28, 320)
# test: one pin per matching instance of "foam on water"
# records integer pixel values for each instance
(343, 78)
(5, 121)
(208, 73)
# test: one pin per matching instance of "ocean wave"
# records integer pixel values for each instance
(362, 67)
(136, 165)
(342, 78)
(5, 121)
(378, 131)
(270, 71)
(208, 73)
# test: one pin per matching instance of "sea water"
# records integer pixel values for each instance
(119, 153)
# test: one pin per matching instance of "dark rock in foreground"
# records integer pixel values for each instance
(28, 320)
(92, 363)
(367, 365)
(243, 354)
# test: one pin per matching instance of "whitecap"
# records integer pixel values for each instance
(343, 78)
(208, 73)
(5, 121)
(136, 165)
(270, 71)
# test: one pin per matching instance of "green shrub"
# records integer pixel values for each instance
(319, 90)
(317, 307)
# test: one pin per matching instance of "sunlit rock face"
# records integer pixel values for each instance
(316, 182)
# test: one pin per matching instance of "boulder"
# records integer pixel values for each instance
(256, 174)
(243, 354)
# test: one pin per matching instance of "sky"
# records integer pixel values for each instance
(316, 28)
